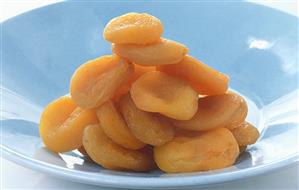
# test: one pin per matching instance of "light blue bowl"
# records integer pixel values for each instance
(256, 46)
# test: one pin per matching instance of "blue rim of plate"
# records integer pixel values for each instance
(145, 182)
(108, 180)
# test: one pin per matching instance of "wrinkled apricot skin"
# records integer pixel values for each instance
(245, 134)
(183, 132)
(160, 53)
(227, 110)
(62, 124)
(125, 88)
(204, 79)
(170, 96)
(108, 154)
(96, 81)
(147, 127)
(116, 128)
(133, 28)
(209, 150)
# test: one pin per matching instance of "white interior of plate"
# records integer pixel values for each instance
(256, 46)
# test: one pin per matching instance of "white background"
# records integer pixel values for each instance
(17, 177)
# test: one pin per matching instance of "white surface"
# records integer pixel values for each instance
(16, 177)
(11, 8)
(289, 6)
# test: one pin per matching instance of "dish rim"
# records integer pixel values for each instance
(108, 180)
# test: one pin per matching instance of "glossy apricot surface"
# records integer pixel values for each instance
(62, 124)
(227, 110)
(125, 88)
(96, 81)
(209, 150)
(200, 76)
(147, 127)
(115, 127)
(133, 28)
(161, 93)
(108, 154)
(161, 53)
(245, 134)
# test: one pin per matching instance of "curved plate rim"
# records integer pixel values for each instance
(64, 2)
(107, 180)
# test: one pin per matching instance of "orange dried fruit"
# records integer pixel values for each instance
(108, 154)
(227, 110)
(245, 134)
(170, 96)
(62, 124)
(133, 28)
(200, 76)
(208, 150)
(116, 128)
(96, 81)
(147, 127)
(163, 52)
(125, 88)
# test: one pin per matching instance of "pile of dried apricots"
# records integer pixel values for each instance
(148, 105)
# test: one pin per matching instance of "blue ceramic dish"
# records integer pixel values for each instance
(256, 46)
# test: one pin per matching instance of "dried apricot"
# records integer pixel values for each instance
(125, 88)
(62, 124)
(209, 150)
(163, 52)
(203, 78)
(183, 132)
(170, 96)
(96, 81)
(116, 128)
(105, 152)
(147, 127)
(245, 134)
(227, 110)
(133, 28)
